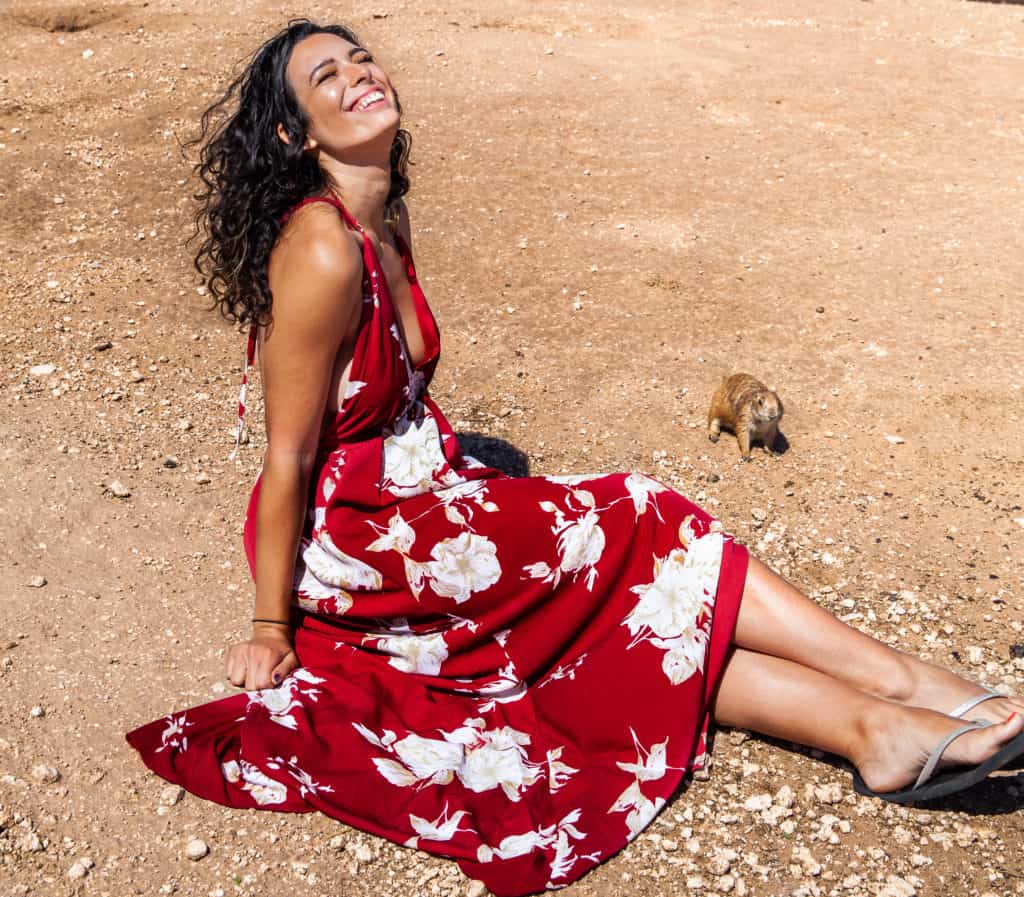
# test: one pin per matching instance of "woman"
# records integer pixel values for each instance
(516, 673)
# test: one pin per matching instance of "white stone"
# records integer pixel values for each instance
(118, 489)
(41, 772)
(894, 440)
(42, 370)
(196, 849)
(476, 889)
(37, 712)
(77, 870)
(171, 794)
(757, 803)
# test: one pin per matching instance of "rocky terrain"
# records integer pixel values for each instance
(613, 205)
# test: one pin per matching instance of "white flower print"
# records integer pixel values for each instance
(415, 653)
(642, 489)
(443, 828)
(581, 540)
(173, 735)
(399, 536)
(463, 565)
(325, 571)
(507, 688)
(264, 790)
(412, 456)
(673, 611)
(554, 835)
(564, 671)
(281, 701)
(352, 389)
(558, 772)
(573, 479)
(481, 758)
(650, 766)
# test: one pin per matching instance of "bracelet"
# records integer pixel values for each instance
(278, 622)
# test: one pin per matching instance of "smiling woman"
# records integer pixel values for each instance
(513, 672)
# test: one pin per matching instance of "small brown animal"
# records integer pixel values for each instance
(744, 405)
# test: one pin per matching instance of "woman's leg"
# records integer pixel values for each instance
(888, 743)
(776, 618)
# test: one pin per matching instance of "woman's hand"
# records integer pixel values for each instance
(264, 660)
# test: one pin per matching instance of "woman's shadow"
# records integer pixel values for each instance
(495, 453)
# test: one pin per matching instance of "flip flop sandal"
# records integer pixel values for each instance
(929, 787)
(971, 703)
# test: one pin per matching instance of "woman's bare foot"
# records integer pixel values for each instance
(930, 686)
(897, 742)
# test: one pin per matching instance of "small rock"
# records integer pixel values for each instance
(758, 514)
(88, 54)
(831, 793)
(203, 479)
(29, 843)
(757, 803)
(45, 774)
(894, 440)
(476, 889)
(820, 309)
(1019, 521)
(196, 849)
(171, 794)
(36, 582)
(118, 489)
(102, 346)
(896, 887)
(137, 377)
(1017, 651)
(975, 656)
(42, 370)
(337, 842)
(77, 870)
(170, 462)
(785, 797)
(669, 845)
(184, 424)
(363, 854)
(37, 712)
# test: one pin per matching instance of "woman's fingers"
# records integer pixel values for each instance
(288, 663)
(235, 667)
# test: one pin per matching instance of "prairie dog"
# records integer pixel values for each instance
(750, 409)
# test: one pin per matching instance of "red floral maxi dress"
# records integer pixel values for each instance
(512, 672)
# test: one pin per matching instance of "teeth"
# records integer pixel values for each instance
(370, 98)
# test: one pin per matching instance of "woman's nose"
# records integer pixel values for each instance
(356, 72)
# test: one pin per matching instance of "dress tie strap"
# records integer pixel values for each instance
(250, 356)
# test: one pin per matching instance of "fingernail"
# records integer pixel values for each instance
(276, 677)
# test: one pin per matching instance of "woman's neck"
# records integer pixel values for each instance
(363, 189)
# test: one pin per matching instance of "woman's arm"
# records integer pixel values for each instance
(316, 279)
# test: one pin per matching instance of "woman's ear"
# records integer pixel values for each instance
(310, 143)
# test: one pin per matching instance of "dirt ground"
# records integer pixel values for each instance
(613, 205)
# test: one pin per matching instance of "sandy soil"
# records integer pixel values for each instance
(613, 205)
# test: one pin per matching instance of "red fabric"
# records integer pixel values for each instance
(513, 672)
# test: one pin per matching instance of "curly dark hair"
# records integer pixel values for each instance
(250, 177)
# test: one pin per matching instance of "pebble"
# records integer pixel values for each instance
(896, 887)
(45, 774)
(42, 370)
(975, 656)
(196, 849)
(476, 889)
(785, 797)
(758, 514)
(337, 842)
(171, 794)
(37, 712)
(170, 462)
(102, 346)
(831, 793)
(203, 479)
(669, 845)
(757, 803)
(36, 582)
(29, 843)
(894, 440)
(78, 870)
(88, 54)
(363, 853)
(118, 489)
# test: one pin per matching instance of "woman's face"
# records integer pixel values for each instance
(348, 98)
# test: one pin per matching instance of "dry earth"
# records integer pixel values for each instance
(613, 205)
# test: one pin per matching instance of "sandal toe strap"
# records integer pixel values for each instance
(940, 748)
